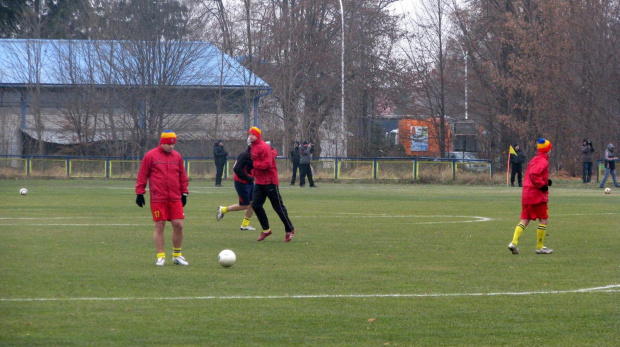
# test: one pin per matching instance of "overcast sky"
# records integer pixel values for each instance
(405, 6)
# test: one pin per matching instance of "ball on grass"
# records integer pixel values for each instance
(227, 258)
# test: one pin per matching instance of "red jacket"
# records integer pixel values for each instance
(165, 173)
(536, 176)
(264, 160)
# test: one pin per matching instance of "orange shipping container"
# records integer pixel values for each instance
(420, 138)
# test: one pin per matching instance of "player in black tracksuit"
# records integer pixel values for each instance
(244, 185)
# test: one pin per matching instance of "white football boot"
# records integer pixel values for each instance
(180, 261)
(160, 261)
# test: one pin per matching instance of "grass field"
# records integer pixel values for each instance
(370, 265)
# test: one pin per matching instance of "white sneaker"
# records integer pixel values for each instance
(160, 262)
(544, 250)
(513, 248)
(219, 214)
(180, 261)
(247, 228)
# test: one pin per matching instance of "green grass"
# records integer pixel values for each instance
(370, 265)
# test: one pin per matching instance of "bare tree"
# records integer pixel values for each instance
(27, 62)
(149, 54)
(372, 32)
(292, 44)
(539, 69)
(425, 50)
(224, 23)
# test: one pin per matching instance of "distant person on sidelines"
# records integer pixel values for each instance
(220, 155)
(266, 185)
(305, 169)
(295, 156)
(610, 166)
(244, 185)
(516, 161)
(164, 170)
(586, 160)
(534, 198)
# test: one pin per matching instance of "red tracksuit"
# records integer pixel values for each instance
(264, 160)
(165, 173)
(536, 176)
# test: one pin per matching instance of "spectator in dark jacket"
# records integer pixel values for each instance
(295, 156)
(220, 155)
(516, 162)
(610, 166)
(586, 159)
(304, 164)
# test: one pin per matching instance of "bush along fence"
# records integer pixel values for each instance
(328, 168)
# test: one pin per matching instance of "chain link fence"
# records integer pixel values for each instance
(123, 168)
(422, 169)
(13, 167)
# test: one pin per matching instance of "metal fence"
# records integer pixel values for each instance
(328, 168)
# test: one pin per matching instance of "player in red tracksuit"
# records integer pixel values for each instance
(266, 185)
(534, 198)
(164, 170)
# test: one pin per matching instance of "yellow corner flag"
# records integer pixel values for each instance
(512, 151)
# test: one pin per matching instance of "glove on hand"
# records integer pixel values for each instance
(549, 183)
(544, 188)
(140, 200)
(184, 199)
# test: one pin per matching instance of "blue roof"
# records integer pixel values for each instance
(82, 62)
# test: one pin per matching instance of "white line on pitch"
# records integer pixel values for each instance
(59, 218)
(69, 225)
(586, 214)
(613, 288)
(472, 219)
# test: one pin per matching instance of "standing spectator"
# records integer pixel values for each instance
(586, 159)
(304, 165)
(534, 198)
(244, 185)
(163, 168)
(295, 159)
(266, 185)
(219, 153)
(516, 161)
(610, 166)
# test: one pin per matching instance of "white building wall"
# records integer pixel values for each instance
(10, 135)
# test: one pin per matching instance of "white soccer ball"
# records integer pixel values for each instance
(227, 258)
(607, 190)
(23, 191)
